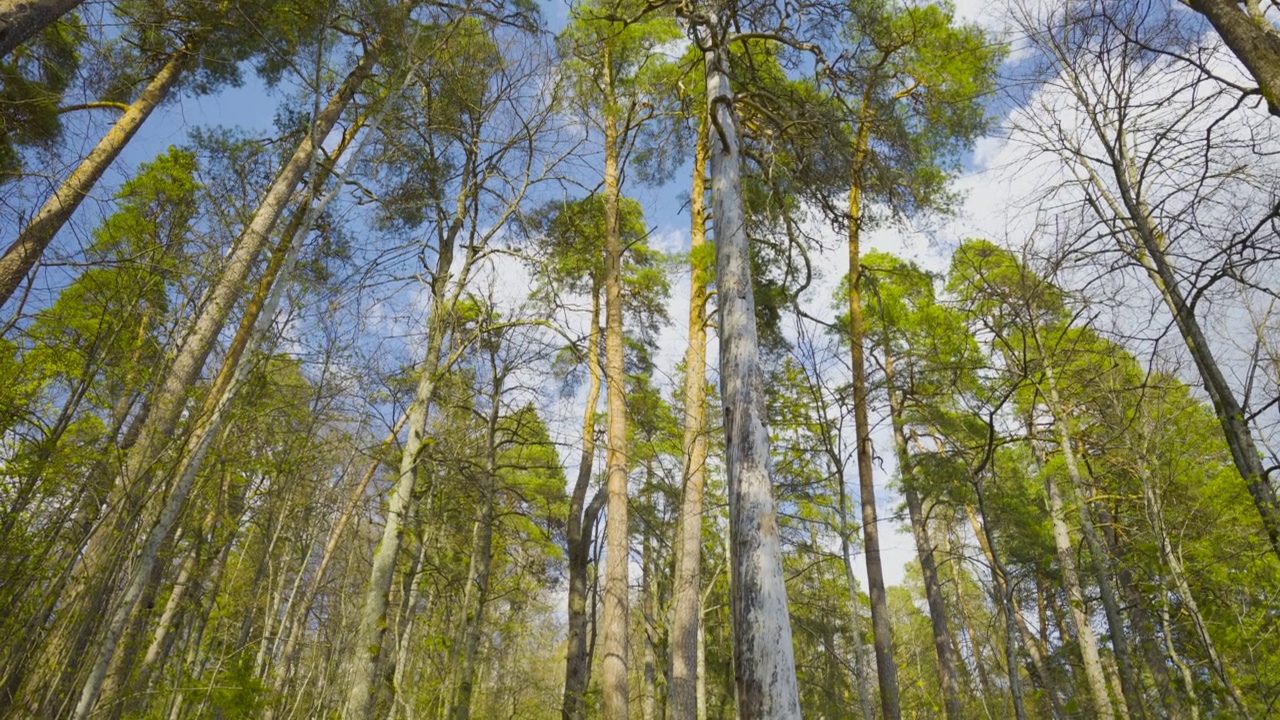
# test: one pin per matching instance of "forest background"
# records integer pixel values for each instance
(308, 422)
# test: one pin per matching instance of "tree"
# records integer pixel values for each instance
(470, 78)
(915, 105)
(763, 659)
(617, 75)
(209, 47)
(571, 264)
(1252, 37)
(1158, 214)
(917, 338)
(1018, 307)
(686, 610)
(21, 20)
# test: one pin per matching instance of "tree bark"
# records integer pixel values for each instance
(614, 671)
(764, 659)
(881, 629)
(686, 610)
(579, 531)
(25, 251)
(948, 678)
(21, 20)
(1132, 692)
(701, 684)
(1079, 617)
(477, 590)
(1254, 40)
(855, 612)
(1008, 609)
(648, 630)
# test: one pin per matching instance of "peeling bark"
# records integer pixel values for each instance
(763, 656)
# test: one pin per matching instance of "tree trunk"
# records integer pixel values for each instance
(1144, 629)
(763, 656)
(614, 674)
(855, 613)
(411, 597)
(1008, 609)
(195, 645)
(296, 624)
(648, 601)
(1132, 690)
(700, 689)
(362, 665)
(230, 376)
(138, 577)
(1254, 40)
(1079, 617)
(1184, 672)
(1173, 561)
(30, 244)
(579, 531)
(966, 627)
(20, 20)
(131, 489)
(162, 639)
(948, 678)
(1113, 677)
(686, 610)
(881, 630)
(477, 590)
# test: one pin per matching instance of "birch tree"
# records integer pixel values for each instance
(484, 124)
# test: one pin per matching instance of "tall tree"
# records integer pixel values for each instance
(915, 103)
(571, 264)
(1023, 312)
(763, 658)
(617, 73)
(686, 608)
(467, 76)
(211, 42)
(921, 344)
(1156, 209)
